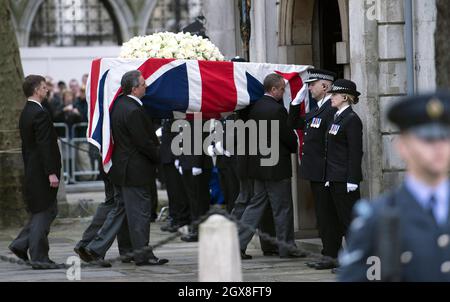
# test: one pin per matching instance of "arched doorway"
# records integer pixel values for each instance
(310, 31)
(327, 32)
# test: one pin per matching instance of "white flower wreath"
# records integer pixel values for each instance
(169, 45)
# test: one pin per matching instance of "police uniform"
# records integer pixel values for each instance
(344, 151)
(315, 125)
(405, 234)
(196, 185)
(176, 193)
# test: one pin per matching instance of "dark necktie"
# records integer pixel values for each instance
(336, 115)
(431, 205)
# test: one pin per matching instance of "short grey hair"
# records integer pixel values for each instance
(272, 80)
(130, 80)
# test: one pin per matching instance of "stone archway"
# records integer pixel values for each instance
(145, 15)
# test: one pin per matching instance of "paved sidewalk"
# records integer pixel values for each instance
(182, 267)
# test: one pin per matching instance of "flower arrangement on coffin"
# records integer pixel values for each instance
(167, 45)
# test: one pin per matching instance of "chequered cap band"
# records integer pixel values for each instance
(321, 76)
(339, 88)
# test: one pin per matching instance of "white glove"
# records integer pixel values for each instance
(211, 150)
(177, 164)
(327, 184)
(196, 171)
(180, 170)
(159, 132)
(351, 187)
(301, 96)
(219, 148)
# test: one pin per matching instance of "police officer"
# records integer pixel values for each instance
(196, 173)
(418, 244)
(179, 214)
(343, 172)
(312, 167)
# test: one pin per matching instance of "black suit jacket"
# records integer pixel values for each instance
(312, 166)
(41, 157)
(419, 235)
(268, 109)
(167, 156)
(242, 159)
(202, 161)
(344, 150)
(136, 147)
(223, 161)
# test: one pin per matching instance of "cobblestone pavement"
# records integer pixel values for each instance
(181, 268)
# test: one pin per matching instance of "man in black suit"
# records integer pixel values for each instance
(97, 222)
(272, 178)
(42, 162)
(134, 162)
(312, 167)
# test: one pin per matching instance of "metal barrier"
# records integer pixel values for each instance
(64, 149)
(71, 148)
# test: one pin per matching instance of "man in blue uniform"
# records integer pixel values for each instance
(405, 234)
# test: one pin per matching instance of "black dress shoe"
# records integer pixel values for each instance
(191, 237)
(20, 254)
(165, 228)
(312, 264)
(47, 265)
(94, 258)
(174, 228)
(294, 254)
(127, 259)
(153, 261)
(327, 264)
(270, 253)
(81, 252)
(244, 256)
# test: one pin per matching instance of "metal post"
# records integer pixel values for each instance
(409, 46)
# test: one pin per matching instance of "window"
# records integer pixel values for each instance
(74, 23)
(173, 15)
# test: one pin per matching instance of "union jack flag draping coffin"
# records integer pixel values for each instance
(180, 87)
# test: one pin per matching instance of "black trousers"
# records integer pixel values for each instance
(266, 225)
(154, 198)
(178, 199)
(330, 230)
(131, 217)
(279, 195)
(344, 203)
(229, 183)
(100, 216)
(197, 189)
(34, 236)
(334, 208)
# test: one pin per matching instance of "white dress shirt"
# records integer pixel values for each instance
(423, 192)
(30, 100)
(136, 99)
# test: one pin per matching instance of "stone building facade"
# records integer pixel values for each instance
(362, 40)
